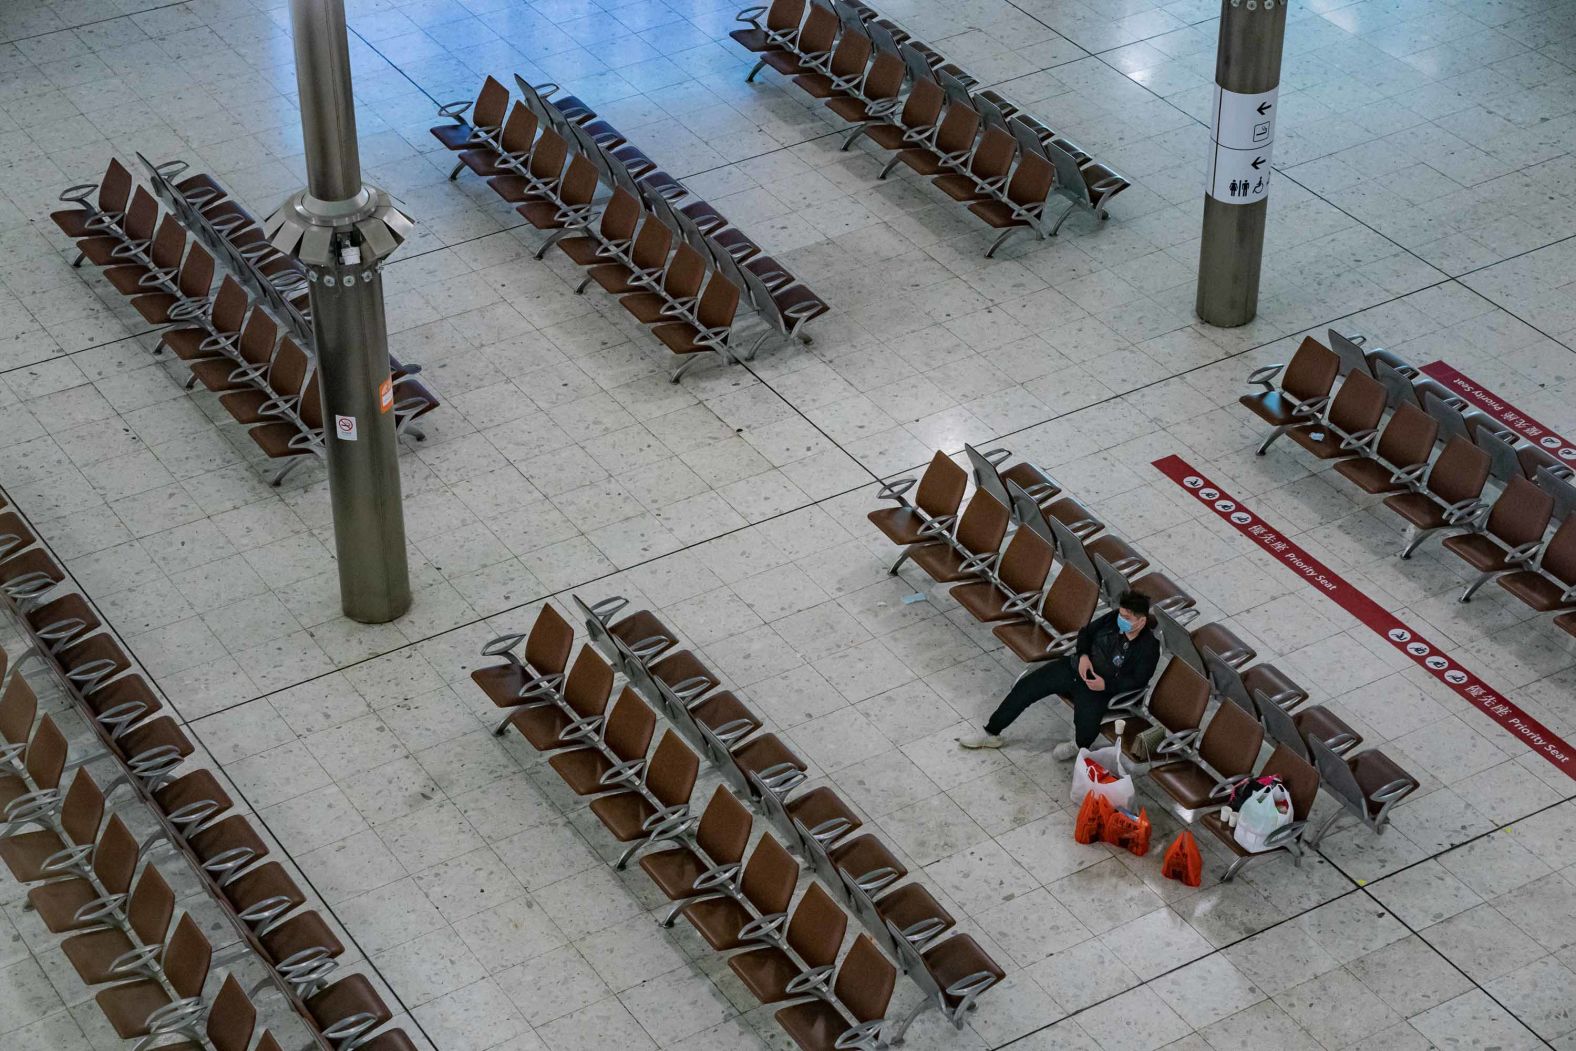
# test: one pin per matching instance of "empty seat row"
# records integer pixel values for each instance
(227, 336)
(1433, 460)
(977, 147)
(674, 261)
(85, 865)
(559, 701)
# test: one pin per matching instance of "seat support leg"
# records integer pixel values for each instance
(899, 563)
(1005, 236)
(756, 69)
(77, 262)
(890, 165)
(853, 136)
(1269, 441)
(673, 913)
(896, 1034)
(1063, 218)
(279, 478)
(502, 727)
(455, 174)
(1472, 588)
(1416, 541)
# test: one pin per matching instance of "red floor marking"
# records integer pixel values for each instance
(1497, 407)
(1374, 616)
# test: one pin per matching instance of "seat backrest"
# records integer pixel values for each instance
(621, 216)
(196, 275)
(865, 981)
(993, 157)
(1504, 459)
(232, 1018)
(924, 102)
(651, 246)
(630, 726)
(142, 216)
(816, 928)
(1026, 562)
(819, 31)
(1031, 181)
(46, 754)
(724, 828)
(1299, 777)
(671, 775)
(229, 306)
(1282, 728)
(990, 112)
(685, 273)
(519, 131)
(886, 75)
(983, 524)
(1408, 439)
(115, 188)
(1558, 561)
(18, 709)
(1460, 472)
(187, 957)
(1350, 354)
(310, 404)
(986, 477)
(1531, 458)
(287, 374)
(589, 684)
(1397, 387)
(1521, 514)
(1179, 698)
(1311, 372)
(258, 338)
(1028, 138)
(769, 877)
(488, 109)
(115, 857)
(1561, 489)
(1359, 405)
(1336, 777)
(548, 645)
(718, 304)
(784, 15)
(1452, 424)
(580, 182)
(958, 128)
(941, 487)
(1070, 547)
(1071, 600)
(1178, 640)
(168, 243)
(150, 907)
(82, 809)
(548, 156)
(1231, 741)
(1069, 179)
(852, 54)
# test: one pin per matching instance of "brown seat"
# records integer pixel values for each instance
(41, 853)
(227, 846)
(572, 197)
(647, 256)
(280, 386)
(863, 988)
(712, 330)
(1176, 703)
(18, 709)
(169, 244)
(193, 798)
(765, 888)
(616, 230)
(1552, 585)
(60, 621)
(1447, 495)
(845, 69)
(727, 717)
(44, 763)
(1510, 534)
(1406, 442)
(1351, 418)
(1274, 684)
(230, 1023)
(1069, 604)
(585, 695)
(486, 113)
(921, 110)
(720, 838)
(948, 148)
(185, 964)
(95, 954)
(538, 672)
(348, 1007)
(981, 528)
(255, 349)
(59, 903)
(642, 634)
(1013, 591)
(765, 753)
(883, 83)
(987, 172)
(195, 342)
(1302, 784)
(304, 936)
(161, 735)
(626, 735)
(935, 505)
(545, 170)
(868, 862)
(137, 227)
(681, 284)
(815, 38)
(782, 22)
(1304, 391)
(1027, 192)
(640, 813)
(683, 673)
(915, 913)
(92, 662)
(289, 439)
(1224, 642)
(823, 815)
(191, 286)
(815, 934)
(109, 202)
(1230, 746)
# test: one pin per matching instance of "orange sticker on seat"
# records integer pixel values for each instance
(386, 395)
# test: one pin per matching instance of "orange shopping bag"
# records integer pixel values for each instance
(1092, 814)
(1182, 861)
(1122, 829)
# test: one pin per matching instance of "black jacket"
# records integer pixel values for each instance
(1125, 664)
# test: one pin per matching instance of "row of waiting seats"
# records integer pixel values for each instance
(561, 706)
(81, 861)
(165, 260)
(674, 261)
(1038, 615)
(977, 146)
(1395, 433)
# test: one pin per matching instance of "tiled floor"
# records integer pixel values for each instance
(1426, 194)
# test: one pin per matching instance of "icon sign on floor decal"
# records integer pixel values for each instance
(1382, 622)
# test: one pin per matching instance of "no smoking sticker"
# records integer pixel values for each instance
(345, 427)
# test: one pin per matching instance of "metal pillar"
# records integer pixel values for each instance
(343, 230)
(1242, 134)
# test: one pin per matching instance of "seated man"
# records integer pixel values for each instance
(1116, 654)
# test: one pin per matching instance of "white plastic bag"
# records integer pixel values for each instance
(1118, 793)
(1265, 811)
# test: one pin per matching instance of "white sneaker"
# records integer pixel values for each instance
(981, 741)
(1064, 751)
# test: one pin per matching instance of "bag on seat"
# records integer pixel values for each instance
(1183, 861)
(1100, 771)
(1267, 809)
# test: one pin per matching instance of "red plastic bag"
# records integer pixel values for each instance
(1122, 829)
(1183, 861)
(1092, 813)
(1099, 774)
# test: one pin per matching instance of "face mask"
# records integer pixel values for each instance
(1123, 624)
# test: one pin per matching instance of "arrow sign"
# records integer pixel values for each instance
(1264, 107)
(1258, 162)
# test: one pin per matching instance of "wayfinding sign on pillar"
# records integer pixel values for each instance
(1243, 134)
(1241, 142)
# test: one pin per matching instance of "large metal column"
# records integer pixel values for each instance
(343, 230)
(1242, 134)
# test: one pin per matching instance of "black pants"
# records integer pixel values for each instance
(1053, 677)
